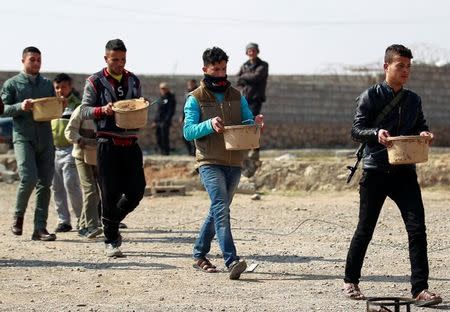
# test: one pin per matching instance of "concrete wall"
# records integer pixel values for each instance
(312, 111)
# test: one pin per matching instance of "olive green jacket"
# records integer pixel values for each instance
(14, 91)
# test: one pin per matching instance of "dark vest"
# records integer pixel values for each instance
(211, 148)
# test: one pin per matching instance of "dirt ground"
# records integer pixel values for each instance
(299, 240)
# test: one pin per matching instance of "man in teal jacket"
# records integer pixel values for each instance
(33, 142)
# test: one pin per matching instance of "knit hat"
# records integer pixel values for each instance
(252, 45)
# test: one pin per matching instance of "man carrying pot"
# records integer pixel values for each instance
(208, 109)
(398, 111)
(33, 142)
(119, 157)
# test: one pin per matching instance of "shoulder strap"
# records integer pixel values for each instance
(389, 107)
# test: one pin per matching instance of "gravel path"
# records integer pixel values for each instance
(299, 242)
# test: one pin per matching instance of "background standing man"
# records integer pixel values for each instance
(33, 142)
(119, 157)
(163, 118)
(191, 85)
(252, 80)
(381, 180)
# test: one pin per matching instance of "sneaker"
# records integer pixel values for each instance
(112, 250)
(236, 268)
(118, 242)
(83, 232)
(63, 227)
(94, 232)
(123, 226)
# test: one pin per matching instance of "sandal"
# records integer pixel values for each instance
(427, 299)
(352, 291)
(204, 265)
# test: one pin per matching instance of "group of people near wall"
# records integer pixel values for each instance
(119, 173)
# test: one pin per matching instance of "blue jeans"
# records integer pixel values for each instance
(220, 182)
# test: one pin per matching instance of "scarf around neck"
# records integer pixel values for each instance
(216, 84)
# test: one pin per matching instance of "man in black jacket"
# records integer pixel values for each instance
(381, 180)
(252, 80)
(163, 119)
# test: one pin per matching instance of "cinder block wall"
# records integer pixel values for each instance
(310, 110)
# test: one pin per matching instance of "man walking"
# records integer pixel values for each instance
(119, 157)
(33, 142)
(401, 115)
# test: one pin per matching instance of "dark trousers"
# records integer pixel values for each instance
(162, 138)
(255, 106)
(190, 146)
(122, 183)
(401, 186)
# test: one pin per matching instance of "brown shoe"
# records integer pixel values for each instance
(43, 235)
(17, 226)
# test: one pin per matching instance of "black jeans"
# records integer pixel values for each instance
(162, 138)
(400, 184)
(122, 183)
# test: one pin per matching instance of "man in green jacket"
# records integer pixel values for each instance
(33, 142)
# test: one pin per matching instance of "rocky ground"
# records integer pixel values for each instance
(299, 241)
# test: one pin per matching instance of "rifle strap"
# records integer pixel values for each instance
(389, 107)
(381, 115)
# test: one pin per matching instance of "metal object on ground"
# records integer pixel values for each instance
(385, 304)
(252, 267)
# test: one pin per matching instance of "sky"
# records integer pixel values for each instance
(169, 36)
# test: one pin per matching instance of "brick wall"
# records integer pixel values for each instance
(312, 110)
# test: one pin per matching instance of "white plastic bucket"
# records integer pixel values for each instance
(408, 149)
(46, 109)
(241, 137)
(131, 114)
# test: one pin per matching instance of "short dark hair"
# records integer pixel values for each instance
(396, 49)
(30, 50)
(214, 55)
(115, 45)
(62, 77)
